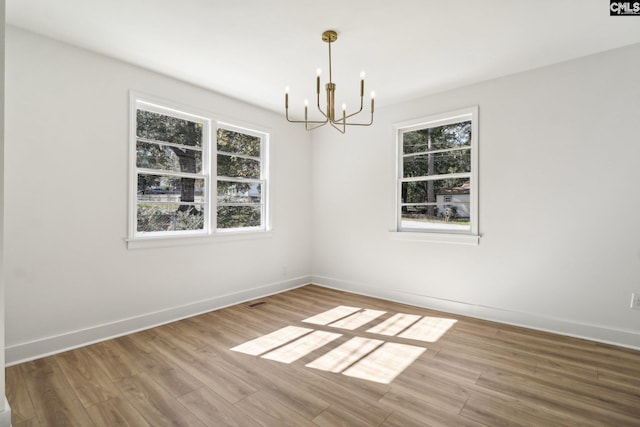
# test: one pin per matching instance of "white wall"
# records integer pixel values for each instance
(559, 204)
(69, 276)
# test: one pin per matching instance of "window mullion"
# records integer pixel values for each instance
(145, 171)
(443, 150)
(437, 177)
(241, 179)
(167, 202)
(243, 156)
(170, 144)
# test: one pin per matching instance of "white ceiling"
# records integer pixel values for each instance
(252, 49)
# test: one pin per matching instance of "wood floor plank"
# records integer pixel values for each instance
(43, 373)
(269, 411)
(452, 372)
(146, 358)
(155, 404)
(170, 376)
(116, 412)
(494, 409)
(114, 360)
(499, 354)
(543, 344)
(222, 381)
(425, 408)
(89, 381)
(433, 389)
(54, 400)
(33, 422)
(620, 381)
(22, 409)
(56, 407)
(477, 373)
(213, 410)
(338, 415)
(398, 419)
(576, 402)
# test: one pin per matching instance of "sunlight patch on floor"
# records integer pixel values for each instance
(429, 329)
(273, 340)
(332, 315)
(340, 358)
(385, 363)
(301, 347)
(395, 324)
(358, 319)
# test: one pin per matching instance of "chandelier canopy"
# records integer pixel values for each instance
(339, 122)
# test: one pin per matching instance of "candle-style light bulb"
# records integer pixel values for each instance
(319, 71)
(286, 97)
(362, 75)
(306, 103)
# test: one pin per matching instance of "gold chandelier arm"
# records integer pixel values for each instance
(307, 127)
(305, 121)
(302, 121)
(325, 115)
(359, 111)
(361, 97)
(335, 126)
(344, 119)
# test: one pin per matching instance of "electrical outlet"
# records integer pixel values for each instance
(635, 300)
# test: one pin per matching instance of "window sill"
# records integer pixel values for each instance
(175, 241)
(459, 239)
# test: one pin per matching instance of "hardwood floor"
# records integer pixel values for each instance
(476, 373)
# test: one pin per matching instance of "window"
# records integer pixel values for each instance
(173, 178)
(437, 174)
(241, 179)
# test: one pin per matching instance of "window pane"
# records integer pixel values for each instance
(435, 190)
(437, 138)
(168, 129)
(239, 143)
(238, 167)
(458, 161)
(239, 216)
(169, 217)
(161, 188)
(237, 192)
(441, 216)
(154, 156)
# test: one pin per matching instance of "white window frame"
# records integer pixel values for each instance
(470, 236)
(209, 233)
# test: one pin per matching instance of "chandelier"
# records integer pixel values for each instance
(339, 122)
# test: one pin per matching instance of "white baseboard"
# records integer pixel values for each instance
(622, 338)
(47, 346)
